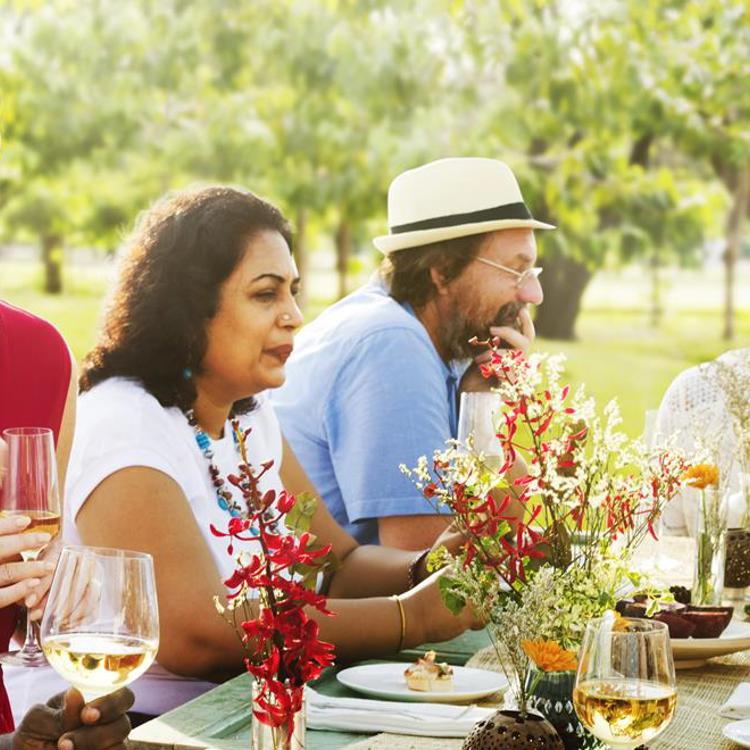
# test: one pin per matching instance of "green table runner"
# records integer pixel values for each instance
(221, 718)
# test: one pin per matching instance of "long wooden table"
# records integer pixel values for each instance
(221, 720)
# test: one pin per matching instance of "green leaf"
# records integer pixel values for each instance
(453, 601)
(299, 517)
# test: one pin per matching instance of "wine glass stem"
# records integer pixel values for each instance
(31, 644)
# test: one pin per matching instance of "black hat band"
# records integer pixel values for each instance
(517, 211)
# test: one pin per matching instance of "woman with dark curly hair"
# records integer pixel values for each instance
(200, 326)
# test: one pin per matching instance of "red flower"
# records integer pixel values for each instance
(282, 642)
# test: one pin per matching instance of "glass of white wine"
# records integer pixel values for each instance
(100, 629)
(625, 691)
(29, 488)
(476, 426)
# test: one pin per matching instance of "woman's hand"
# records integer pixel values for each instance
(36, 600)
(18, 580)
(65, 723)
(428, 620)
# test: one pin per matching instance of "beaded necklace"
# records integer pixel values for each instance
(224, 497)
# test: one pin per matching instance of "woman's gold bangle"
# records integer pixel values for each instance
(402, 615)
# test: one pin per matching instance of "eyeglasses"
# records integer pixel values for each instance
(522, 277)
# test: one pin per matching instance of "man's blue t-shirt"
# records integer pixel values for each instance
(365, 392)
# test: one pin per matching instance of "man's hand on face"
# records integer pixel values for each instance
(473, 380)
(517, 338)
(66, 723)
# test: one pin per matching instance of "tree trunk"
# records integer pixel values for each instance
(300, 256)
(52, 259)
(735, 224)
(343, 251)
(564, 281)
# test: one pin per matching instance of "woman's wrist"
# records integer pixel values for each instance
(414, 629)
(402, 622)
(417, 570)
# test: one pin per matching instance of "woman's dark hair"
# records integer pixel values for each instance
(174, 263)
(407, 272)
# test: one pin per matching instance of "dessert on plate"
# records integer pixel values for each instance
(428, 676)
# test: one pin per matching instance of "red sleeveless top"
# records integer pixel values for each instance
(34, 380)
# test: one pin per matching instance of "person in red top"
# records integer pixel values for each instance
(37, 389)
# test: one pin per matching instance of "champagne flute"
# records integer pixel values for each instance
(100, 629)
(476, 426)
(30, 488)
(625, 691)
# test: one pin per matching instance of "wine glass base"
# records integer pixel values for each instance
(24, 659)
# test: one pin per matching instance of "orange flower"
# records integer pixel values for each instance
(702, 476)
(549, 656)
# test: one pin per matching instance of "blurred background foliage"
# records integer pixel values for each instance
(627, 122)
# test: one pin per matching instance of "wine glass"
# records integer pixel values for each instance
(625, 686)
(476, 426)
(30, 488)
(100, 628)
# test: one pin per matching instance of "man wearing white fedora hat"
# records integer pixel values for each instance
(373, 381)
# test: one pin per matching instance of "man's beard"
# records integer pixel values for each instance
(460, 329)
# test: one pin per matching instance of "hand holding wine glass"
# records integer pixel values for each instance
(625, 691)
(100, 629)
(20, 578)
(30, 491)
(65, 722)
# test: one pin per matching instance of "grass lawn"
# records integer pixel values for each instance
(617, 353)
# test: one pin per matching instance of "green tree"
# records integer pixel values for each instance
(700, 67)
(571, 111)
(66, 102)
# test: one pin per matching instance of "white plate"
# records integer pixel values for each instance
(739, 732)
(694, 651)
(388, 681)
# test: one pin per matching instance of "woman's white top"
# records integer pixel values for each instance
(694, 414)
(121, 425)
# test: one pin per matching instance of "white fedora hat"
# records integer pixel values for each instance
(452, 198)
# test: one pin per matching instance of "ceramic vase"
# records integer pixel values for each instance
(508, 730)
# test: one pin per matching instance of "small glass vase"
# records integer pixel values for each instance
(551, 695)
(710, 548)
(265, 737)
